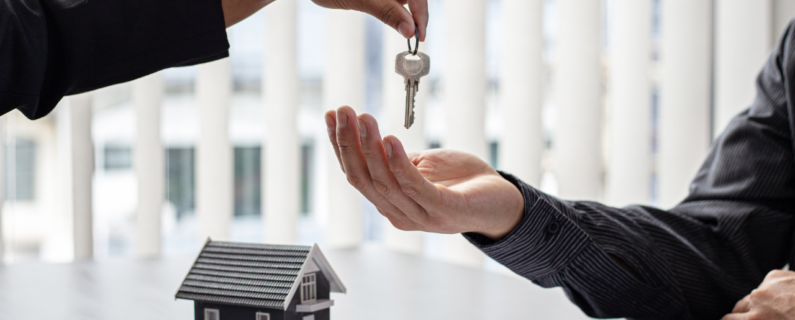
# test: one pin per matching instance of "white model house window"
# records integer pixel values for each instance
(308, 288)
(212, 314)
(263, 316)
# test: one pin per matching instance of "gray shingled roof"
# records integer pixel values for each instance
(259, 275)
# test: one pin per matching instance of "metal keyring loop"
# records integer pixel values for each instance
(416, 42)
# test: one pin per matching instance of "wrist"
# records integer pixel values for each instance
(510, 213)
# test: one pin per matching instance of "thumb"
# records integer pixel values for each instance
(393, 14)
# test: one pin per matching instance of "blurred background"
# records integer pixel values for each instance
(614, 101)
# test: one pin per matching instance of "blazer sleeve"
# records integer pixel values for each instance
(53, 48)
(694, 261)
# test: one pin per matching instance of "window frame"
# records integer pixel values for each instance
(207, 311)
(262, 316)
(309, 288)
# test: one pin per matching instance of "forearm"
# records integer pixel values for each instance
(238, 10)
(551, 248)
(638, 261)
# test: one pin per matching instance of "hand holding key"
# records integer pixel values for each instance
(391, 12)
(438, 190)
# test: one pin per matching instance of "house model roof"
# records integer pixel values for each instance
(257, 275)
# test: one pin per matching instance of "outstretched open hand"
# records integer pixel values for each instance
(444, 191)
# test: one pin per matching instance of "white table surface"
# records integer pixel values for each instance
(381, 285)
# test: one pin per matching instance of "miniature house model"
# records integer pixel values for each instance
(244, 281)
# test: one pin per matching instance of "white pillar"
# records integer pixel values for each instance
(58, 245)
(3, 178)
(149, 164)
(214, 151)
(783, 12)
(521, 85)
(743, 31)
(685, 95)
(281, 146)
(577, 77)
(344, 85)
(629, 164)
(82, 167)
(465, 91)
(394, 103)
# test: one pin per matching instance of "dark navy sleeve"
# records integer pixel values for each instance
(53, 48)
(694, 261)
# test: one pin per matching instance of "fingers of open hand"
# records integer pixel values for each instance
(331, 128)
(411, 181)
(382, 177)
(350, 151)
(350, 154)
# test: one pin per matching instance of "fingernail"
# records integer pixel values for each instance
(362, 128)
(388, 148)
(342, 118)
(405, 29)
(329, 123)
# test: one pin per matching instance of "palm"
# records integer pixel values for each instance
(468, 186)
(449, 167)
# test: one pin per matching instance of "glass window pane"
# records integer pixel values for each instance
(307, 175)
(117, 157)
(247, 181)
(20, 171)
(180, 179)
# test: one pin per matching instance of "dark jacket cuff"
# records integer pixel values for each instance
(543, 242)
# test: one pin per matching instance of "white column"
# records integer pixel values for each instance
(394, 104)
(743, 31)
(685, 95)
(82, 165)
(521, 85)
(783, 13)
(629, 164)
(576, 81)
(465, 91)
(149, 164)
(3, 128)
(344, 85)
(58, 243)
(214, 151)
(281, 149)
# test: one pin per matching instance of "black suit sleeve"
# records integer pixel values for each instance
(53, 48)
(694, 261)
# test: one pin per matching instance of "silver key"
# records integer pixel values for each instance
(412, 68)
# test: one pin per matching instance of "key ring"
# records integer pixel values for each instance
(416, 42)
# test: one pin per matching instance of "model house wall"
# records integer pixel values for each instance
(231, 312)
